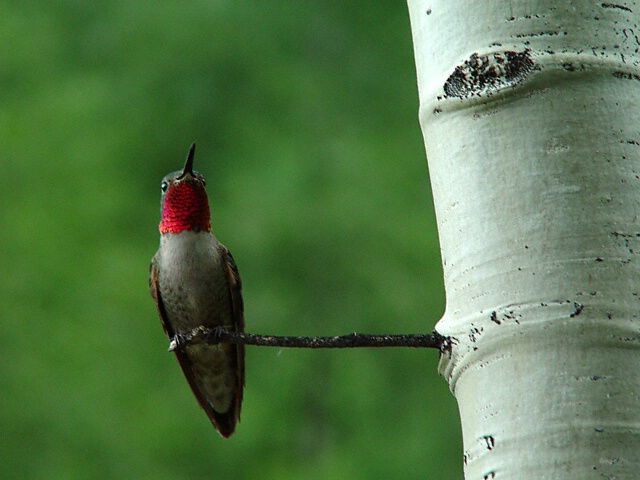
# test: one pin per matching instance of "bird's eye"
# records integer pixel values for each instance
(164, 186)
(204, 182)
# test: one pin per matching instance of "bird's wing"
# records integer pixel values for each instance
(235, 295)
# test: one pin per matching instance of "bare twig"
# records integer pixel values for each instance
(351, 340)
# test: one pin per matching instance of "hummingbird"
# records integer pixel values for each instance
(195, 283)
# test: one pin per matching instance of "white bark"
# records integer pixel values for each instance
(530, 112)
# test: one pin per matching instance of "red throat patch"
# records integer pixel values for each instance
(185, 207)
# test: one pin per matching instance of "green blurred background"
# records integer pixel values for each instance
(305, 116)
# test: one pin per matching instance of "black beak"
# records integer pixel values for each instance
(188, 165)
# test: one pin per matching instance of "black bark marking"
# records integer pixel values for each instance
(474, 333)
(626, 75)
(577, 311)
(615, 5)
(490, 441)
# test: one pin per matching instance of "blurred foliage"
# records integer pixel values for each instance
(305, 115)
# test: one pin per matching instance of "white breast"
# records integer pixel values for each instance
(192, 280)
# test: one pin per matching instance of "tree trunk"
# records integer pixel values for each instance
(530, 113)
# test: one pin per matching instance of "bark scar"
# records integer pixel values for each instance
(487, 74)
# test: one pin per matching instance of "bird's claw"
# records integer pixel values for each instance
(178, 342)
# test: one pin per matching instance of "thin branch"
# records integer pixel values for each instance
(352, 340)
